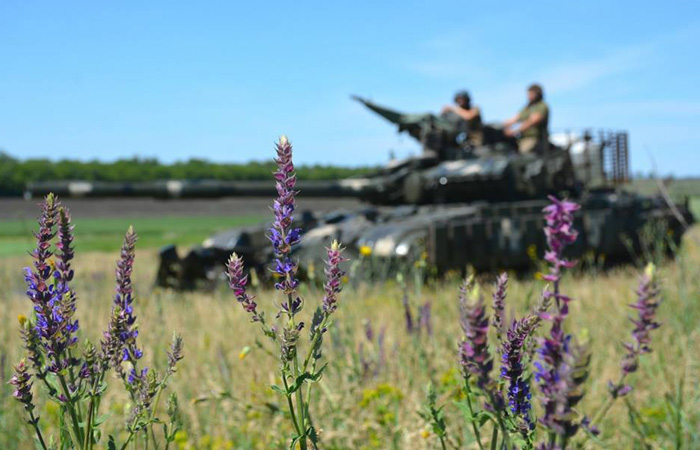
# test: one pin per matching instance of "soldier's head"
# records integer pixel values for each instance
(463, 100)
(534, 93)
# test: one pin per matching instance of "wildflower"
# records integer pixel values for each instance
(54, 302)
(499, 305)
(334, 275)
(281, 234)
(572, 372)
(474, 353)
(237, 282)
(119, 343)
(22, 382)
(512, 369)
(175, 353)
(562, 365)
(365, 250)
(244, 352)
(408, 316)
(424, 318)
(646, 305)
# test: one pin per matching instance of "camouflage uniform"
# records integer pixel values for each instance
(535, 138)
(475, 129)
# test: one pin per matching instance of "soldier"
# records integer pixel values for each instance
(533, 134)
(471, 114)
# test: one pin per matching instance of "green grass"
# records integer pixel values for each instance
(106, 234)
(225, 396)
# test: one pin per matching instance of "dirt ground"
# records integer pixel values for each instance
(20, 209)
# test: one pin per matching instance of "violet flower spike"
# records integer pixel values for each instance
(512, 369)
(238, 281)
(499, 305)
(473, 351)
(22, 382)
(281, 234)
(334, 278)
(54, 302)
(562, 366)
(119, 342)
(648, 301)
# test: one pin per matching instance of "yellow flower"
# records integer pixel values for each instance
(244, 352)
(22, 319)
(345, 279)
(539, 276)
(366, 250)
(425, 434)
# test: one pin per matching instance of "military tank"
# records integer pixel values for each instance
(452, 206)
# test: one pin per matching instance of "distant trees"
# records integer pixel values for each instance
(15, 173)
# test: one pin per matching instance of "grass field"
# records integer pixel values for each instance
(104, 234)
(365, 402)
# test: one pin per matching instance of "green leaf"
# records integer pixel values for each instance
(279, 389)
(111, 445)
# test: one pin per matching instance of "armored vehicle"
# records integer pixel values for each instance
(454, 205)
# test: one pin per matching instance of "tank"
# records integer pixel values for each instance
(455, 205)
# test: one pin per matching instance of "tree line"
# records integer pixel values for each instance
(16, 173)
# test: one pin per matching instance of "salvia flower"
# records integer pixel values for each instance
(425, 318)
(561, 363)
(119, 343)
(560, 415)
(560, 233)
(474, 352)
(647, 302)
(47, 287)
(22, 383)
(334, 278)
(512, 369)
(175, 354)
(408, 315)
(238, 281)
(281, 234)
(499, 305)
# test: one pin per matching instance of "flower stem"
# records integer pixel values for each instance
(71, 410)
(35, 423)
(477, 434)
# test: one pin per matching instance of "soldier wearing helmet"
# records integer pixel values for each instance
(533, 133)
(470, 114)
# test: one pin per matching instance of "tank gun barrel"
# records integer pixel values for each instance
(391, 115)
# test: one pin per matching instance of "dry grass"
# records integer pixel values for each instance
(227, 401)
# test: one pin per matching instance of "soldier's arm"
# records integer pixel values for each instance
(534, 119)
(466, 114)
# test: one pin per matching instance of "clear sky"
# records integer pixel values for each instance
(222, 79)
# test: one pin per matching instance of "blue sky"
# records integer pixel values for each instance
(221, 80)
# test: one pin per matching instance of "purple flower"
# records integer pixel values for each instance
(499, 305)
(519, 395)
(334, 278)
(424, 318)
(119, 343)
(647, 302)
(47, 288)
(408, 316)
(281, 234)
(562, 365)
(563, 390)
(474, 352)
(22, 382)
(237, 281)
